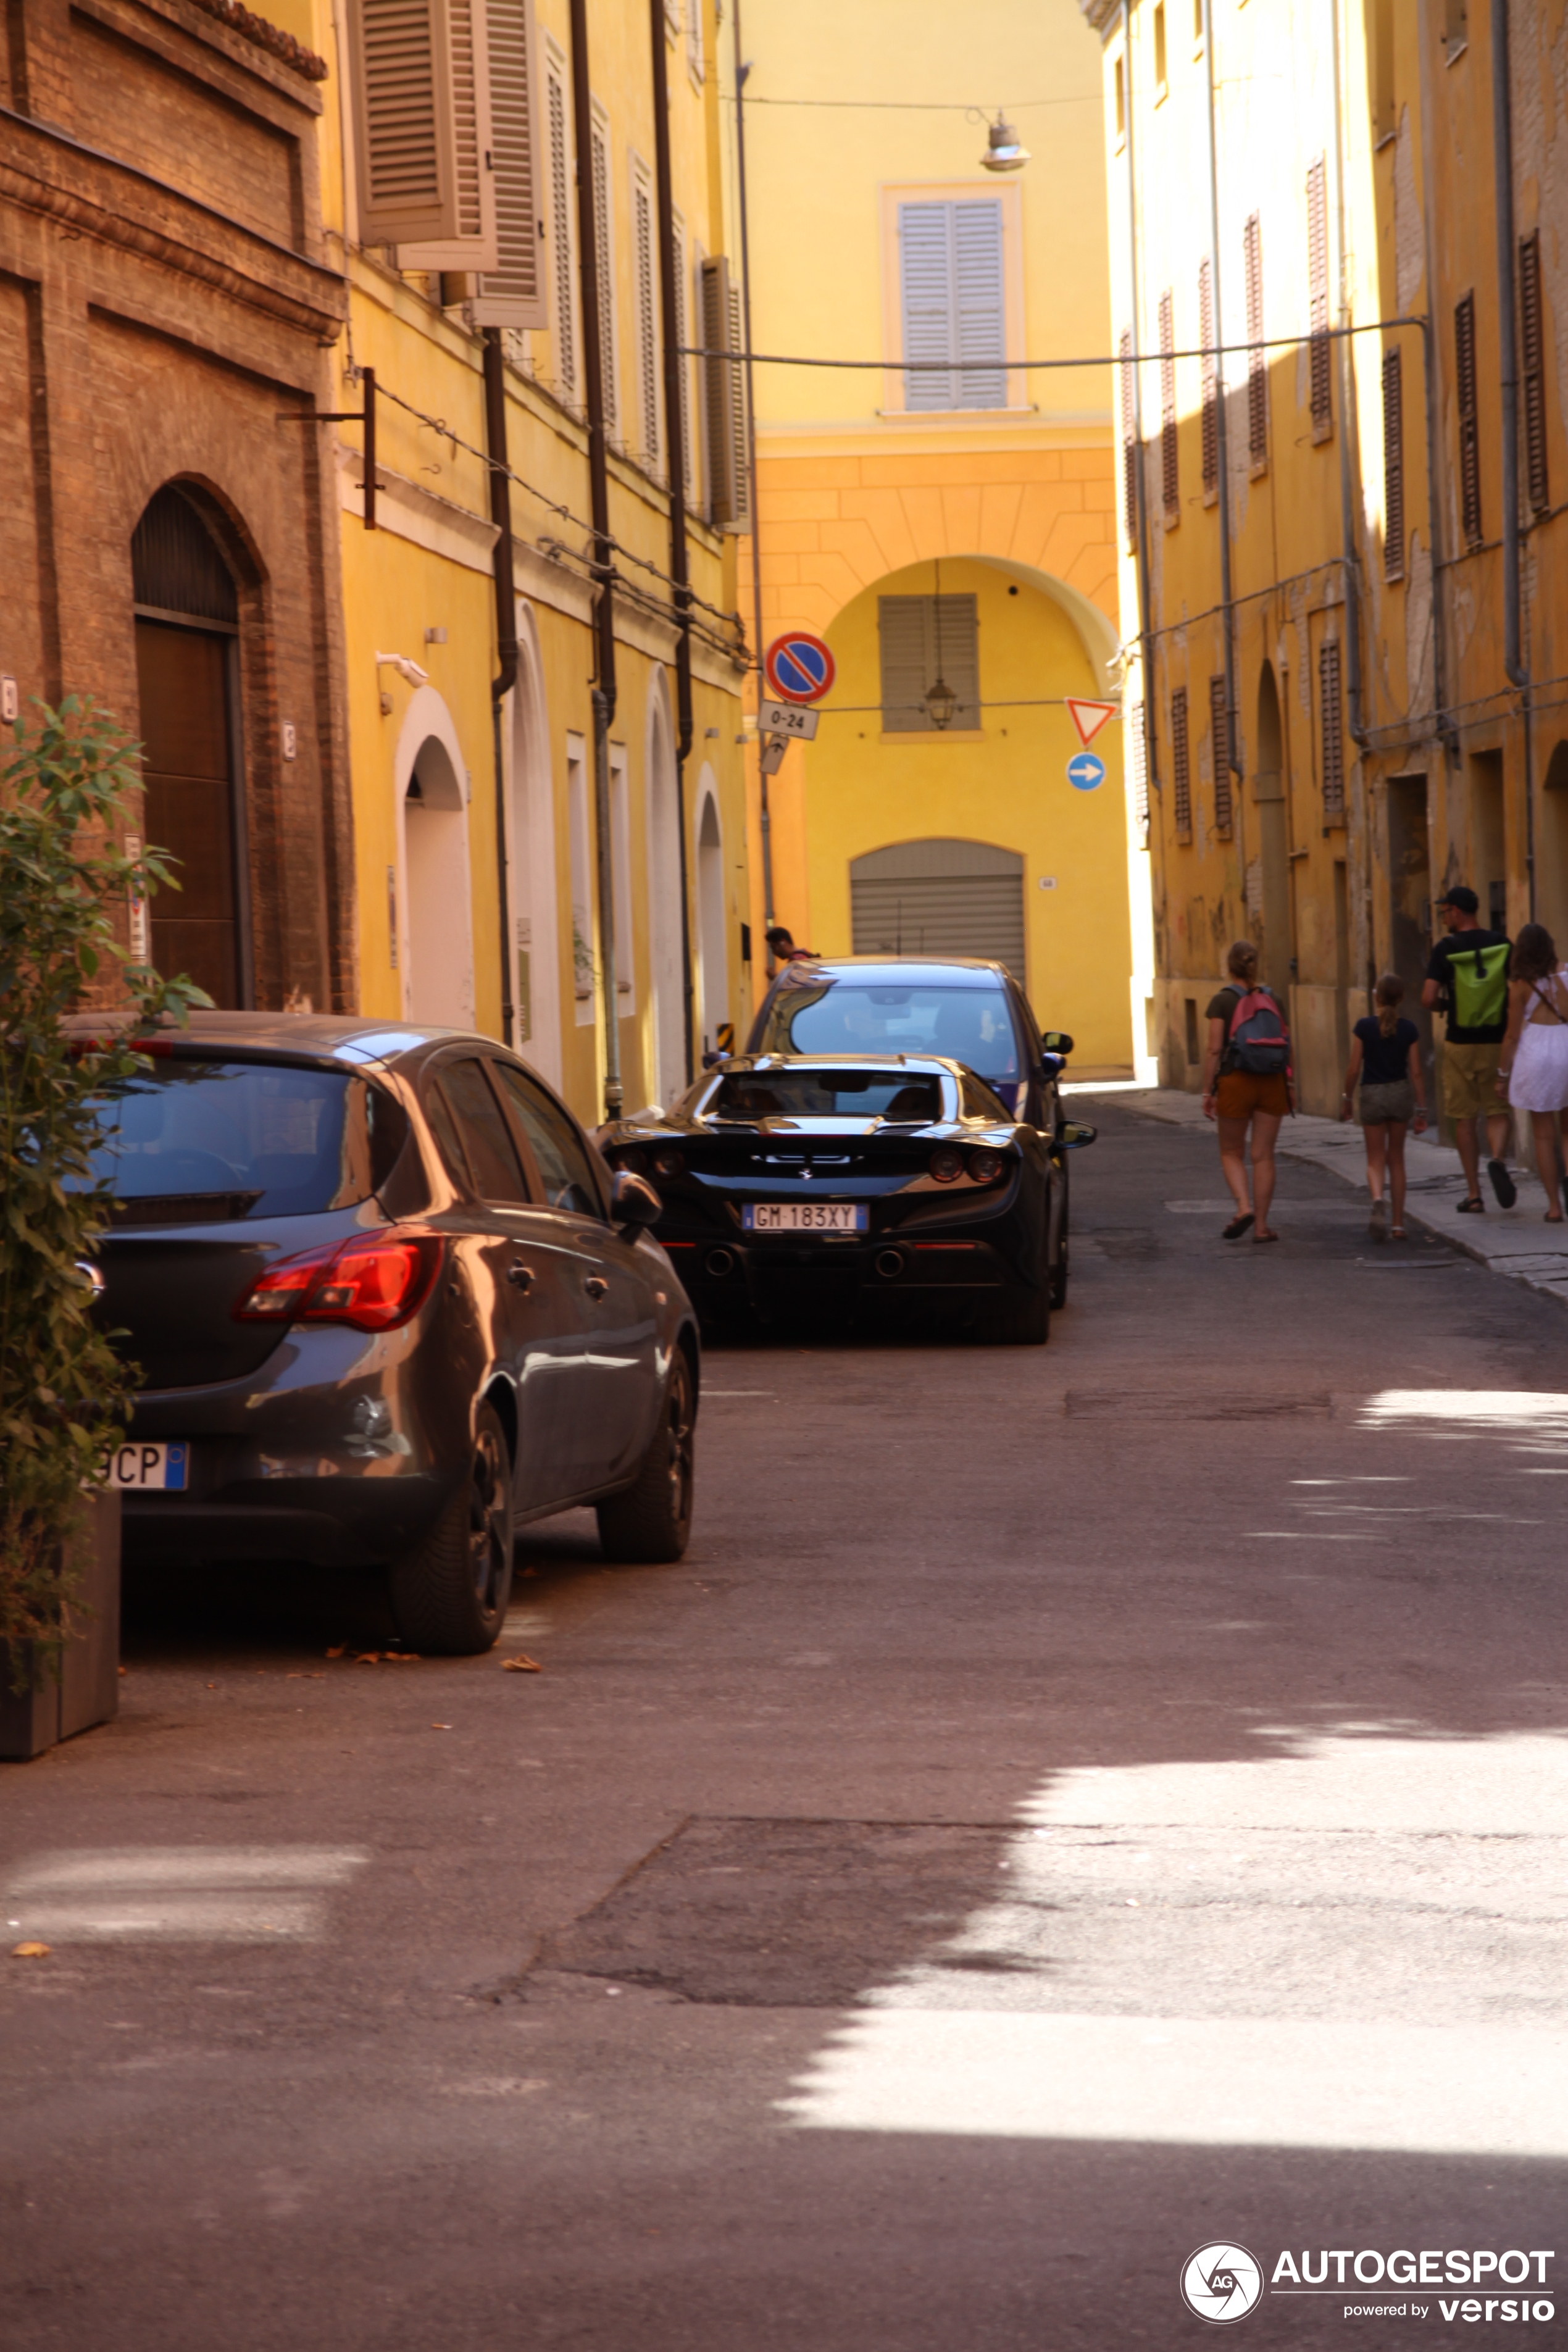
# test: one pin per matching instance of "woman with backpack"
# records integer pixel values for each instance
(1246, 1084)
(1532, 1060)
(1386, 1056)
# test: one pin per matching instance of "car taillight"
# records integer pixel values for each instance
(633, 1158)
(375, 1283)
(985, 1166)
(946, 1164)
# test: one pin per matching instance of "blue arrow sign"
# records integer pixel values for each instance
(1085, 771)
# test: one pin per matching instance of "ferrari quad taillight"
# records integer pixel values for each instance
(375, 1283)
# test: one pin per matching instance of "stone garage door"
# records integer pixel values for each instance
(940, 897)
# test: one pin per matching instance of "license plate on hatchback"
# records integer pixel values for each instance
(803, 1217)
(162, 1468)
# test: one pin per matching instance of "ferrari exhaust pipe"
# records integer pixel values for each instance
(889, 1264)
(720, 1262)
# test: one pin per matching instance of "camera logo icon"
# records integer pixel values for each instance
(1222, 2282)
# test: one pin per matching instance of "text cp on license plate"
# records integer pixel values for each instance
(165, 1467)
(803, 1217)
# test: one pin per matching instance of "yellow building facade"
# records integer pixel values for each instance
(476, 826)
(954, 524)
(1324, 521)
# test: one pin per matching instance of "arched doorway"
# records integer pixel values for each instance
(940, 897)
(435, 949)
(187, 675)
(1268, 791)
(711, 946)
(664, 899)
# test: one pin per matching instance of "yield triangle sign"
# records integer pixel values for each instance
(1089, 717)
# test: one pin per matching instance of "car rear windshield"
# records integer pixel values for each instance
(973, 1025)
(247, 1139)
(890, 1094)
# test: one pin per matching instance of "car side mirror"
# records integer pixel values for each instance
(1074, 1133)
(1056, 1041)
(633, 1201)
(1052, 1064)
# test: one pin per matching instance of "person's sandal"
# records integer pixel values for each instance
(1503, 1184)
(1473, 1208)
(1236, 1227)
(1397, 1233)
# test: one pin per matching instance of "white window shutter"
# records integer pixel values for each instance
(980, 322)
(606, 260)
(514, 294)
(646, 260)
(564, 319)
(925, 266)
(682, 339)
(471, 245)
(954, 304)
(404, 125)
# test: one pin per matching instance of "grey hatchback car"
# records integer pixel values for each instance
(387, 1303)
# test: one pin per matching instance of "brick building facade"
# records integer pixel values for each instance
(168, 544)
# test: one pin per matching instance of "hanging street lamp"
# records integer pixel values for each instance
(1003, 152)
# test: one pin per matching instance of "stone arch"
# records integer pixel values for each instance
(436, 953)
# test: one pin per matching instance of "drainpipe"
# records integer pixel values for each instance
(674, 419)
(1514, 664)
(1140, 469)
(742, 71)
(506, 642)
(604, 693)
(1220, 434)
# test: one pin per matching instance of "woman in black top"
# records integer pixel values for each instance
(1385, 1055)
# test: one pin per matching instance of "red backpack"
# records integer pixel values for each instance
(1258, 1039)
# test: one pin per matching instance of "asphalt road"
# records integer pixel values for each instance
(1071, 1807)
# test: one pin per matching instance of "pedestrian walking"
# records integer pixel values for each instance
(1386, 1062)
(782, 950)
(1534, 1062)
(1246, 1084)
(1468, 978)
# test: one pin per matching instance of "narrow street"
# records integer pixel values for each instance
(1070, 1806)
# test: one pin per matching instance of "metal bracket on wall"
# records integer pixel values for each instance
(365, 417)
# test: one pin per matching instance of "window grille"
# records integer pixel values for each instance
(954, 312)
(1469, 430)
(1392, 467)
(1170, 476)
(1317, 283)
(1257, 358)
(1533, 356)
(1181, 766)
(1129, 443)
(1210, 364)
(1332, 715)
(1220, 739)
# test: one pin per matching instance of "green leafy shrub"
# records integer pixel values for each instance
(65, 1397)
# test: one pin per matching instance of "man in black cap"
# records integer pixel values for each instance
(1467, 977)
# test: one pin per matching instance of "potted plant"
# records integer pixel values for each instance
(65, 1397)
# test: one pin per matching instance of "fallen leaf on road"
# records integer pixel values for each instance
(338, 1652)
(522, 1665)
(386, 1658)
(30, 1951)
(120, 1670)
(440, 1726)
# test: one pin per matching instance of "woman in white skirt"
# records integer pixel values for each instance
(1532, 1060)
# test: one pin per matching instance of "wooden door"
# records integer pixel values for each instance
(188, 774)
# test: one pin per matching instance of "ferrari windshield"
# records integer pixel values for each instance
(825, 1014)
(750, 1097)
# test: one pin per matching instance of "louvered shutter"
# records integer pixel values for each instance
(514, 294)
(1220, 739)
(726, 455)
(1331, 714)
(404, 130)
(923, 638)
(646, 266)
(1128, 441)
(940, 899)
(1257, 359)
(605, 263)
(1532, 357)
(925, 266)
(471, 243)
(564, 320)
(1470, 428)
(1209, 365)
(1141, 768)
(1170, 476)
(1392, 467)
(1181, 766)
(739, 452)
(1318, 293)
(677, 240)
(981, 320)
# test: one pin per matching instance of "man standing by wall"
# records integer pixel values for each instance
(1468, 978)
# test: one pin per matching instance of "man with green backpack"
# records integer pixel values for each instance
(1467, 977)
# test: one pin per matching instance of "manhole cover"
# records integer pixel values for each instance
(790, 1914)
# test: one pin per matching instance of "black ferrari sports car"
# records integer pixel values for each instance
(859, 1175)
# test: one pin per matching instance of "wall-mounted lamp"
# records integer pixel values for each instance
(405, 670)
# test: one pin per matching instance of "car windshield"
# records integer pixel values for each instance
(750, 1097)
(827, 1015)
(280, 1142)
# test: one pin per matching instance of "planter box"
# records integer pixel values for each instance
(88, 1689)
